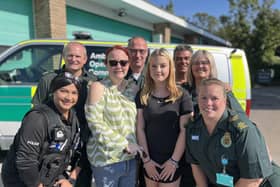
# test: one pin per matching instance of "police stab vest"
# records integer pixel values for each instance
(60, 145)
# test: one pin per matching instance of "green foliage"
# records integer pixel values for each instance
(254, 27)
(170, 7)
(205, 21)
(251, 25)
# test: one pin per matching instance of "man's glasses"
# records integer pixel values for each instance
(135, 51)
(113, 63)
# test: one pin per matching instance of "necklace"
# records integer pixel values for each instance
(160, 100)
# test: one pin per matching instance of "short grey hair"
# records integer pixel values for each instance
(130, 41)
(74, 43)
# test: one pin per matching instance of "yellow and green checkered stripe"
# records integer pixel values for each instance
(15, 101)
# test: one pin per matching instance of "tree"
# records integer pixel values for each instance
(253, 27)
(205, 21)
(236, 26)
(170, 7)
(266, 35)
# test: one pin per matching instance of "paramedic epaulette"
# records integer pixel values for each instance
(235, 120)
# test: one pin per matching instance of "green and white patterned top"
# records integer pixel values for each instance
(112, 124)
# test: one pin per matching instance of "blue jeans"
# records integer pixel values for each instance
(120, 174)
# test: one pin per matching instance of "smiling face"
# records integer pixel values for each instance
(138, 52)
(212, 101)
(65, 98)
(182, 61)
(75, 58)
(116, 65)
(201, 68)
(159, 68)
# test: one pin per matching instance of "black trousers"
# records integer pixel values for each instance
(187, 179)
(141, 178)
(85, 176)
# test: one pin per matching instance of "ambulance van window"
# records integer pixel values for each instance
(96, 57)
(29, 63)
(223, 67)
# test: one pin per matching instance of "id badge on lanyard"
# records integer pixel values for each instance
(223, 178)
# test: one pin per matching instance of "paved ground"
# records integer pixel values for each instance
(266, 113)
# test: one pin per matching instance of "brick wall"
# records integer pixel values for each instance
(165, 30)
(49, 18)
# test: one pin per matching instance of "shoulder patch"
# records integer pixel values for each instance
(236, 122)
(241, 125)
(234, 118)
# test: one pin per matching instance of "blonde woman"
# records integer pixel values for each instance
(162, 111)
(203, 66)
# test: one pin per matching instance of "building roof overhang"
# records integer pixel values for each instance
(143, 14)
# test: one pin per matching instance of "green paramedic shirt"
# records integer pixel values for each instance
(237, 140)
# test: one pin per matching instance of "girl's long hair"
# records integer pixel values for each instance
(149, 85)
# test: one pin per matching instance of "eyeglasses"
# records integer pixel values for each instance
(113, 63)
(186, 58)
(71, 77)
(135, 51)
(203, 62)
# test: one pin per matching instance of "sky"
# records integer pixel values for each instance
(188, 8)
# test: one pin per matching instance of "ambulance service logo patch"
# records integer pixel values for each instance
(226, 140)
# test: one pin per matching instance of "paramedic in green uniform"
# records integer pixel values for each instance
(223, 149)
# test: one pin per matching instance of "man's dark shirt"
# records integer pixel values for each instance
(139, 82)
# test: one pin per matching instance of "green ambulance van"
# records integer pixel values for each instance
(22, 65)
